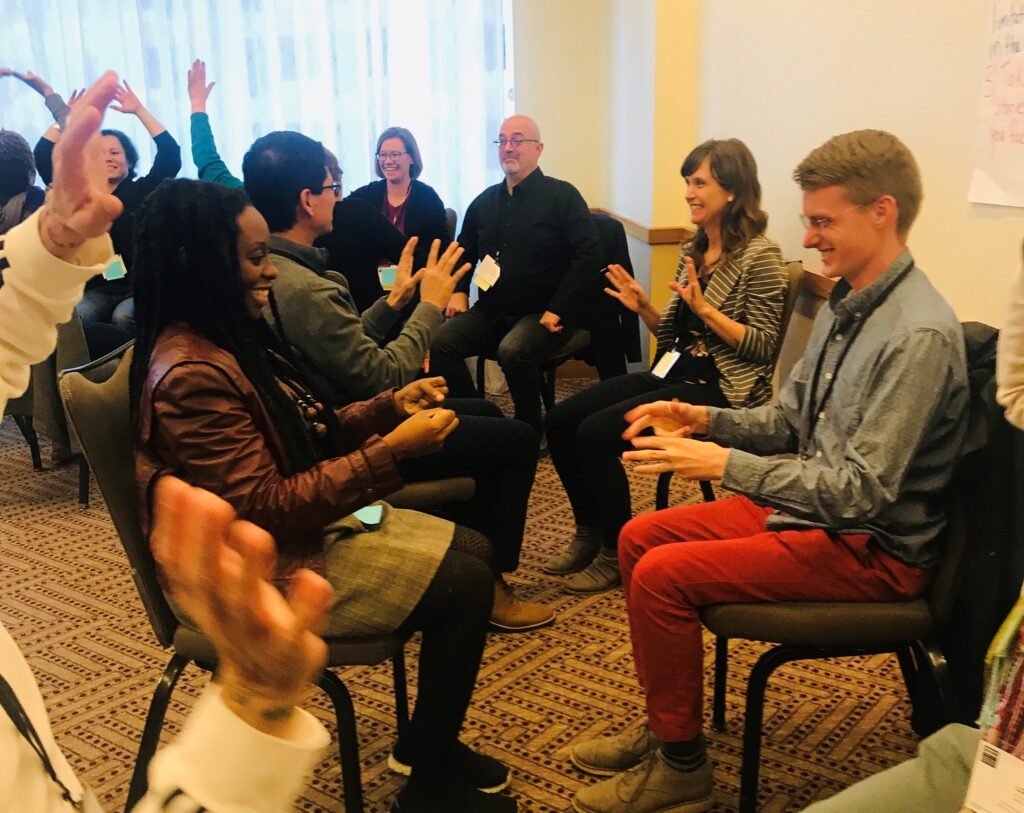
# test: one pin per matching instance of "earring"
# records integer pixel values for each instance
(731, 198)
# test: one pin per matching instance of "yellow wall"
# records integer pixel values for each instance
(561, 71)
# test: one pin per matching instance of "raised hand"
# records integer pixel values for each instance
(198, 90)
(691, 293)
(127, 101)
(405, 280)
(423, 393)
(667, 419)
(37, 83)
(219, 570)
(79, 205)
(422, 433)
(626, 289)
(439, 279)
(75, 97)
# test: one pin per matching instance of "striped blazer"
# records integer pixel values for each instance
(751, 289)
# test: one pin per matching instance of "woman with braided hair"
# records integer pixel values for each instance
(221, 401)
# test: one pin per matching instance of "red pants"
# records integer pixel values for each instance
(676, 561)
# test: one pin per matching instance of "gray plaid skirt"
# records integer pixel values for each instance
(380, 574)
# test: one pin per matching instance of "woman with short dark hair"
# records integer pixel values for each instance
(717, 342)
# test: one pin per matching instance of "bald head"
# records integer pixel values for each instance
(519, 148)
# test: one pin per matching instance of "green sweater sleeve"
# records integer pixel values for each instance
(205, 155)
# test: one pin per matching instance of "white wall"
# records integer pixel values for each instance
(786, 75)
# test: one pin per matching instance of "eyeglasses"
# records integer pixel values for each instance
(515, 141)
(334, 187)
(390, 156)
(822, 222)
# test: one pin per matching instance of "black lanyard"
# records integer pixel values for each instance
(817, 411)
(10, 703)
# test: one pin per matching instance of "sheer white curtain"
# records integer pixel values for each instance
(339, 71)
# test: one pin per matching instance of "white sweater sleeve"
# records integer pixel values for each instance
(39, 292)
(223, 764)
(218, 760)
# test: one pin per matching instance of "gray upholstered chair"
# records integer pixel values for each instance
(100, 416)
(39, 409)
(813, 630)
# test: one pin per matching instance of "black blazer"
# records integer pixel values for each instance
(424, 214)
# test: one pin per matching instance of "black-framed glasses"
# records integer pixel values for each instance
(334, 187)
(390, 156)
(515, 141)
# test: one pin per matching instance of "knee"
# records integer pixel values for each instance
(656, 576)
(635, 539)
(513, 353)
(599, 436)
(446, 340)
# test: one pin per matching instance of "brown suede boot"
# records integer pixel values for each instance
(512, 615)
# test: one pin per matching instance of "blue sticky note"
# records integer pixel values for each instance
(115, 270)
(370, 515)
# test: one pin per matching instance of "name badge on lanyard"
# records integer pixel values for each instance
(665, 363)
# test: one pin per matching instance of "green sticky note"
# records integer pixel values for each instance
(115, 270)
(370, 515)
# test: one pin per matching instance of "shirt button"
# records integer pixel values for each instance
(828, 376)
(821, 415)
(839, 337)
(856, 314)
(817, 454)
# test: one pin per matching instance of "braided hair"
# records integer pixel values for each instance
(186, 270)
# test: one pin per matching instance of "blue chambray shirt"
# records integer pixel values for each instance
(885, 444)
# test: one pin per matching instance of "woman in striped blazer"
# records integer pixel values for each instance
(716, 345)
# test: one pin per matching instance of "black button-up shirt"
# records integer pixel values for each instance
(543, 238)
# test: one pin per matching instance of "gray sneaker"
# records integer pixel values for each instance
(651, 787)
(599, 576)
(607, 756)
(580, 553)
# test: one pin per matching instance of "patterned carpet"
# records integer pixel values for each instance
(67, 596)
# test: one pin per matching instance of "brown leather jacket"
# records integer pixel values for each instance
(201, 419)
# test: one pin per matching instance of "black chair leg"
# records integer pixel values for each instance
(661, 491)
(721, 673)
(24, 423)
(750, 770)
(707, 491)
(401, 691)
(348, 742)
(83, 482)
(151, 731)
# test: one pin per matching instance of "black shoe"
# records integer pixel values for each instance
(479, 771)
(459, 799)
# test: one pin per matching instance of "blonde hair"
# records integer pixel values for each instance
(867, 164)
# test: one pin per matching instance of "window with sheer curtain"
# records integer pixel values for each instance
(339, 71)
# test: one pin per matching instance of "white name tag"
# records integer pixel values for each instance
(487, 273)
(997, 782)
(665, 363)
